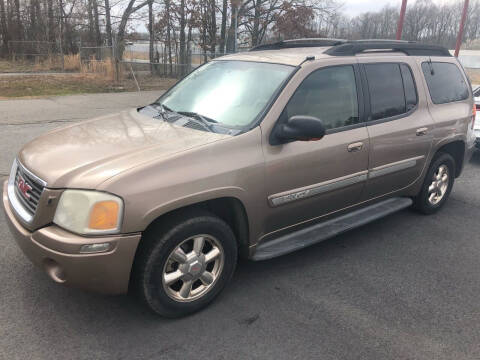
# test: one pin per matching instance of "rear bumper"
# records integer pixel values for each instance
(57, 252)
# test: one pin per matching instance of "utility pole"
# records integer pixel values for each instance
(462, 27)
(401, 19)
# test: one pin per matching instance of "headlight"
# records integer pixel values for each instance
(89, 212)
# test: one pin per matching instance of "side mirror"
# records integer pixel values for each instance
(298, 128)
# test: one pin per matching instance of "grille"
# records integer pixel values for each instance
(30, 204)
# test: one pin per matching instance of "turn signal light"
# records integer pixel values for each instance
(104, 215)
(94, 248)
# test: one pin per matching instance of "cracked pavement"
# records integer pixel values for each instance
(404, 287)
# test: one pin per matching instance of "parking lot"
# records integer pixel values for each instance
(404, 287)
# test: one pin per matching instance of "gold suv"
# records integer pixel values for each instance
(255, 154)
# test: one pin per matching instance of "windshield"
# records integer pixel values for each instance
(232, 93)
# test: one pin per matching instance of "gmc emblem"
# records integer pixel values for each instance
(23, 187)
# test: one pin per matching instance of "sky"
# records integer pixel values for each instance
(356, 7)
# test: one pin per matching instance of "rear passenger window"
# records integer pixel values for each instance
(392, 90)
(445, 82)
(409, 86)
(329, 94)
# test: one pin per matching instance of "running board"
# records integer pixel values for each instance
(321, 231)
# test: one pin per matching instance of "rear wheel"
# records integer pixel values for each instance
(437, 185)
(184, 265)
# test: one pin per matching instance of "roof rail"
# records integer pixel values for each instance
(410, 48)
(296, 43)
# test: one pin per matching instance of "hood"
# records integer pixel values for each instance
(86, 154)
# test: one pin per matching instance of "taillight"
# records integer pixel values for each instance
(474, 114)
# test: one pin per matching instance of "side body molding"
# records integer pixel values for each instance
(316, 189)
(338, 183)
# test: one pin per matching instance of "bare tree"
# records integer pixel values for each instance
(223, 28)
(18, 31)
(218, 25)
(5, 33)
(182, 54)
(108, 23)
(151, 34)
(96, 19)
(130, 9)
(50, 31)
(169, 42)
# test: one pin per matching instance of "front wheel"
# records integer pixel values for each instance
(185, 263)
(437, 185)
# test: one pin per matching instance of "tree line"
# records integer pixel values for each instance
(215, 26)
(424, 21)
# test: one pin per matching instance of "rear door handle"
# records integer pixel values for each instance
(355, 147)
(422, 131)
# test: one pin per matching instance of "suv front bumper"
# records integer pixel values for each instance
(57, 252)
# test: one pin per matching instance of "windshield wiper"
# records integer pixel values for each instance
(162, 109)
(205, 119)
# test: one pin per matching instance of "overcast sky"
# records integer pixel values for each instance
(355, 7)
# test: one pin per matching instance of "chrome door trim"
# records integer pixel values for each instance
(394, 167)
(316, 189)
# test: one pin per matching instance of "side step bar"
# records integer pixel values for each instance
(321, 231)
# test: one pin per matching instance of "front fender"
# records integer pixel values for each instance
(192, 199)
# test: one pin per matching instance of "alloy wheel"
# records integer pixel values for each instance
(193, 267)
(439, 185)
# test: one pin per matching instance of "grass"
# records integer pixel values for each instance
(70, 84)
(71, 63)
(148, 82)
(7, 66)
(49, 64)
(136, 55)
(52, 85)
(474, 75)
(90, 76)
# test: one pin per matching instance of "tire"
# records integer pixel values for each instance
(156, 267)
(434, 194)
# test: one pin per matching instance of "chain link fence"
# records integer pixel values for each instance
(165, 67)
(32, 50)
(134, 65)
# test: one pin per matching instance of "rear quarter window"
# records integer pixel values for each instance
(445, 82)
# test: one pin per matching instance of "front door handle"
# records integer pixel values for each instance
(355, 147)
(422, 131)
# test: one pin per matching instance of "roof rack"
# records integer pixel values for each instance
(296, 43)
(340, 47)
(410, 48)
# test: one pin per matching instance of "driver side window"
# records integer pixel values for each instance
(329, 94)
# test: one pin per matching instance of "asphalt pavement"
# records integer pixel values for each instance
(404, 287)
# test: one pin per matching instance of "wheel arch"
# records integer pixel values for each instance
(457, 150)
(228, 208)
